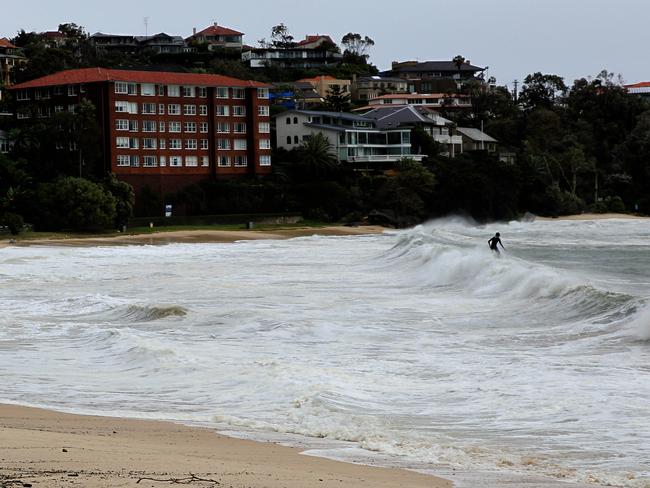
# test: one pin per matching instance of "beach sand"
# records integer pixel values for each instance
(42, 448)
(163, 237)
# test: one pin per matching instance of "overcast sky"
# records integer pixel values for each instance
(571, 38)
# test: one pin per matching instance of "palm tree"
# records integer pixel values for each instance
(459, 61)
(317, 155)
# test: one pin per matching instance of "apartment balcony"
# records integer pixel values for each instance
(379, 158)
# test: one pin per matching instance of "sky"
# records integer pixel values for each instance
(570, 38)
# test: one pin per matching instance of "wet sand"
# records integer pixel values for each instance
(42, 448)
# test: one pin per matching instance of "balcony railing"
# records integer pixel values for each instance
(384, 158)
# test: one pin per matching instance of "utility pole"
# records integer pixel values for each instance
(516, 84)
(146, 27)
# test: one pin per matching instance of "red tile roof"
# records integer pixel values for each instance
(310, 39)
(318, 78)
(4, 42)
(95, 75)
(642, 84)
(217, 31)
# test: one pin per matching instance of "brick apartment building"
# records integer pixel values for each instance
(161, 129)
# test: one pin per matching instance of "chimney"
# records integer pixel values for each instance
(467, 61)
(193, 31)
(216, 25)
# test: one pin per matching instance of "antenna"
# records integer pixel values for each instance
(146, 27)
(516, 83)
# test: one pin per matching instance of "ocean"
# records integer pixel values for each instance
(418, 348)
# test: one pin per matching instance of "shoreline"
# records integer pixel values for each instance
(48, 449)
(195, 236)
(595, 216)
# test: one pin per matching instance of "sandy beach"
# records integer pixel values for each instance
(188, 236)
(42, 448)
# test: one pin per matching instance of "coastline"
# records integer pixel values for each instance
(196, 236)
(49, 449)
(595, 216)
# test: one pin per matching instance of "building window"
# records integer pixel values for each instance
(265, 143)
(223, 128)
(263, 93)
(133, 125)
(263, 111)
(223, 144)
(58, 90)
(188, 91)
(175, 161)
(190, 144)
(241, 161)
(190, 127)
(203, 127)
(59, 108)
(264, 128)
(223, 110)
(175, 144)
(148, 143)
(22, 95)
(161, 93)
(121, 87)
(191, 161)
(162, 143)
(189, 109)
(122, 107)
(265, 160)
(240, 128)
(174, 127)
(288, 120)
(122, 142)
(296, 140)
(289, 140)
(135, 161)
(121, 124)
(295, 120)
(123, 160)
(239, 111)
(134, 143)
(148, 126)
(161, 126)
(204, 144)
(149, 108)
(173, 109)
(161, 109)
(132, 88)
(147, 90)
(173, 91)
(149, 161)
(238, 93)
(224, 161)
(221, 92)
(240, 144)
(203, 92)
(205, 161)
(203, 110)
(163, 161)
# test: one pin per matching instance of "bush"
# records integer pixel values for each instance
(14, 221)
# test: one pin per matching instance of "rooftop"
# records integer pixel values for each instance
(411, 66)
(217, 30)
(322, 113)
(96, 75)
(4, 42)
(475, 134)
(391, 116)
(309, 39)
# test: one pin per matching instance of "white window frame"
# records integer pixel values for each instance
(222, 110)
(173, 91)
(175, 161)
(265, 160)
(265, 143)
(174, 127)
(221, 92)
(240, 145)
(190, 145)
(191, 161)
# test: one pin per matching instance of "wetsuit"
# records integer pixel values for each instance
(493, 243)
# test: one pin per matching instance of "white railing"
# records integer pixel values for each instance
(384, 157)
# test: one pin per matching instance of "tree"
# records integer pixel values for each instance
(74, 203)
(281, 38)
(336, 100)
(356, 48)
(316, 156)
(542, 91)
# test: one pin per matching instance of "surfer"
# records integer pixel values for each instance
(494, 241)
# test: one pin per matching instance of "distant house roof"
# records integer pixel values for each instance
(381, 78)
(388, 116)
(94, 75)
(217, 30)
(322, 113)
(641, 87)
(316, 38)
(319, 78)
(4, 42)
(475, 134)
(160, 36)
(433, 66)
(53, 34)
